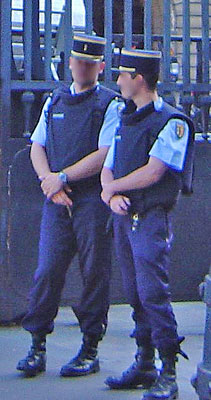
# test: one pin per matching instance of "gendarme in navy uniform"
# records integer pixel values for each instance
(148, 164)
(69, 146)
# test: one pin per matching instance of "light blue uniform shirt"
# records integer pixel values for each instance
(111, 120)
(168, 147)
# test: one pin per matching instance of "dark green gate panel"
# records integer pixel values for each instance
(190, 255)
(192, 227)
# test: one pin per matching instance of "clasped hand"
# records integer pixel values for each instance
(120, 204)
(51, 184)
(54, 189)
(117, 202)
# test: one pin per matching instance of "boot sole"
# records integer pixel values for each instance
(121, 387)
(145, 385)
(172, 397)
(30, 374)
(145, 382)
(74, 373)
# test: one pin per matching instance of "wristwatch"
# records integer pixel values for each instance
(63, 177)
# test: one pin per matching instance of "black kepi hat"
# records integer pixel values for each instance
(140, 61)
(88, 47)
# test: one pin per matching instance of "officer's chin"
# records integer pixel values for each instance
(87, 82)
(125, 95)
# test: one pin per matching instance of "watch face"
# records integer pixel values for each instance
(63, 177)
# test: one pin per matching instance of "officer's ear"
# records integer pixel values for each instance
(70, 63)
(139, 79)
(101, 67)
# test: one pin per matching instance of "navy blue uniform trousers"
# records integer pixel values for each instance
(60, 238)
(143, 256)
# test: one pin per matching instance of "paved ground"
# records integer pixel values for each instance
(116, 353)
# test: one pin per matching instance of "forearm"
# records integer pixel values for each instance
(140, 178)
(39, 160)
(106, 176)
(87, 166)
(135, 180)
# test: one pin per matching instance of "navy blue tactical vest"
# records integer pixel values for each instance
(133, 141)
(73, 126)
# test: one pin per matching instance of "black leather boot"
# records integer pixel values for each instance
(141, 372)
(165, 388)
(35, 361)
(86, 361)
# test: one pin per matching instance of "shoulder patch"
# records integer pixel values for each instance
(180, 129)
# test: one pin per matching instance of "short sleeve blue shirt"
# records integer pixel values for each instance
(169, 147)
(111, 120)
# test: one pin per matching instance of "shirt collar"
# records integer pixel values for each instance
(158, 104)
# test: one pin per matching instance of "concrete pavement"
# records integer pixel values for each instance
(116, 353)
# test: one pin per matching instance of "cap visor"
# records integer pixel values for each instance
(123, 69)
(86, 57)
(115, 69)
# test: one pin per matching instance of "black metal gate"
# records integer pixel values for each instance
(33, 60)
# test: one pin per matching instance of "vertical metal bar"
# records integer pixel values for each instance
(205, 59)
(205, 39)
(148, 25)
(5, 37)
(207, 333)
(186, 42)
(128, 24)
(199, 72)
(67, 38)
(37, 64)
(48, 39)
(5, 93)
(27, 24)
(88, 16)
(108, 36)
(166, 40)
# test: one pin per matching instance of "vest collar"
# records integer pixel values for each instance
(131, 115)
(138, 115)
(71, 98)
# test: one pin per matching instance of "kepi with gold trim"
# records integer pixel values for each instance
(139, 61)
(87, 47)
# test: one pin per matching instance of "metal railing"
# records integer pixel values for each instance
(37, 76)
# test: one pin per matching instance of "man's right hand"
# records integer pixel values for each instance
(51, 184)
(62, 198)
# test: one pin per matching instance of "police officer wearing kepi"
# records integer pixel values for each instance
(69, 146)
(147, 165)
